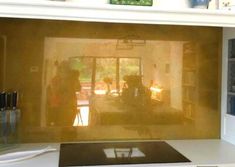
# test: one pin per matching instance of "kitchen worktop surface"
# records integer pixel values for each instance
(199, 152)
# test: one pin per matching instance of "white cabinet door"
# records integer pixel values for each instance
(227, 120)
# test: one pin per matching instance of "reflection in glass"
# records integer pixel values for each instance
(61, 94)
(95, 81)
(105, 70)
(123, 153)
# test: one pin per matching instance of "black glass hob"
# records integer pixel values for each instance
(117, 153)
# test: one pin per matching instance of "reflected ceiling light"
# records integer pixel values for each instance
(128, 42)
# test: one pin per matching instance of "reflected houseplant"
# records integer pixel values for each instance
(108, 81)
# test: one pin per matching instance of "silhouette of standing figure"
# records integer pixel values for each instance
(62, 100)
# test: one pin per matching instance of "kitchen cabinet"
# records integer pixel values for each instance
(57, 10)
(227, 117)
(53, 10)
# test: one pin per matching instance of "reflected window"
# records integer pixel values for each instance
(81, 81)
(105, 78)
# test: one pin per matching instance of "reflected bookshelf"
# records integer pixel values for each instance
(189, 80)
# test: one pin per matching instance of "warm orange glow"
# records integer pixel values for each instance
(103, 92)
(156, 89)
(100, 92)
(156, 93)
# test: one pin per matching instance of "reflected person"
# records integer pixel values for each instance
(62, 100)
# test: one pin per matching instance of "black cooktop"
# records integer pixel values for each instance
(117, 153)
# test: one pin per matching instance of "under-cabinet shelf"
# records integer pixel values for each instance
(56, 10)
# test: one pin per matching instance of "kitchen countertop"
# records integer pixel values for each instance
(200, 152)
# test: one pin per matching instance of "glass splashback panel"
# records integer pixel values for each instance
(81, 81)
